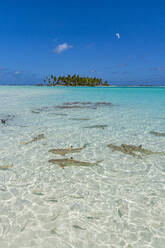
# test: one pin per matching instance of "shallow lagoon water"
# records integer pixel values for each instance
(117, 203)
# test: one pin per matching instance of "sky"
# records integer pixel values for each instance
(120, 41)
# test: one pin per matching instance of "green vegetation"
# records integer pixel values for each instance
(74, 80)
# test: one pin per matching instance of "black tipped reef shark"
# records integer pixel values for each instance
(70, 161)
(67, 150)
(133, 150)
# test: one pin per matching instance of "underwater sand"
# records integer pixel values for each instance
(119, 203)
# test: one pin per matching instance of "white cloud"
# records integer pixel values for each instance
(118, 35)
(17, 72)
(62, 47)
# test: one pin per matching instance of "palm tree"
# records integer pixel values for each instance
(74, 80)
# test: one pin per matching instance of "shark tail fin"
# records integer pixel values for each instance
(99, 161)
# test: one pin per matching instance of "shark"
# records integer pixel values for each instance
(133, 150)
(68, 150)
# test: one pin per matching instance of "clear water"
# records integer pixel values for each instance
(118, 203)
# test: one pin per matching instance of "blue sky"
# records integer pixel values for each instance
(120, 41)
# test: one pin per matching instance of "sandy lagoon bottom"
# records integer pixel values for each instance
(118, 203)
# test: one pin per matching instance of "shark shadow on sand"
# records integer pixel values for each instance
(71, 162)
(79, 119)
(97, 126)
(6, 167)
(59, 114)
(38, 137)
(39, 110)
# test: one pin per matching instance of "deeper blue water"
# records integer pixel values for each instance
(117, 203)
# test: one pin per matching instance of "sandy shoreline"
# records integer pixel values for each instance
(114, 86)
(110, 86)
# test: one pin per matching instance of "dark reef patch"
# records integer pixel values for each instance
(71, 105)
(84, 105)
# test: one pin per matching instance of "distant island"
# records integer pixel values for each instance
(74, 80)
(77, 80)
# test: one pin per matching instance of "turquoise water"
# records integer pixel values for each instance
(117, 203)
